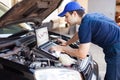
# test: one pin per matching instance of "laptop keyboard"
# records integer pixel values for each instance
(47, 46)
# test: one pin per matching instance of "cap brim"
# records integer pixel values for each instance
(62, 14)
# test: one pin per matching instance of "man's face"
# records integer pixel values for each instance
(71, 19)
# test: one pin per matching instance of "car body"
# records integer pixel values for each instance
(21, 58)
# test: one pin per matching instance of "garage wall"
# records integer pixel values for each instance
(54, 15)
(58, 21)
(107, 7)
(6, 2)
(84, 4)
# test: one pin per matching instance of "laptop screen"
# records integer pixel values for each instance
(42, 36)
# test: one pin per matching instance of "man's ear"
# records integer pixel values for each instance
(74, 13)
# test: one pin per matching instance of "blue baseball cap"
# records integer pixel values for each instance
(71, 6)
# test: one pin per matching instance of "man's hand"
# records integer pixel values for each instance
(63, 42)
(57, 48)
(66, 60)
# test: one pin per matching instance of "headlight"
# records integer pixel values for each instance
(57, 74)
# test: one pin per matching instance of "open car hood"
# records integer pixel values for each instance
(29, 11)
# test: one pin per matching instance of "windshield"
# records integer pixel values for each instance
(11, 29)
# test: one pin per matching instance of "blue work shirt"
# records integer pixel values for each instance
(98, 29)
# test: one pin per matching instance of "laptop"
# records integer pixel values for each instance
(43, 41)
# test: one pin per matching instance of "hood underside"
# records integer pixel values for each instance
(29, 11)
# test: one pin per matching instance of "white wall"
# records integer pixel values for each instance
(107, 7)
(54, 15)
(84, 4)
(6, 2)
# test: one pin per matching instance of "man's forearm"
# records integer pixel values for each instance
(74, 52)
(80, 53)
(73, 39)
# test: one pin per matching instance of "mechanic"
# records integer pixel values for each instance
(94, 28)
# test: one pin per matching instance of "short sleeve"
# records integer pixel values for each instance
(84, 33)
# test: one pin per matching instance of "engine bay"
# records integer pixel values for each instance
(25, 51)
(23, 55)
(20, 54)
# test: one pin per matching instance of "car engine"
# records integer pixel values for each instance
(23, 51)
